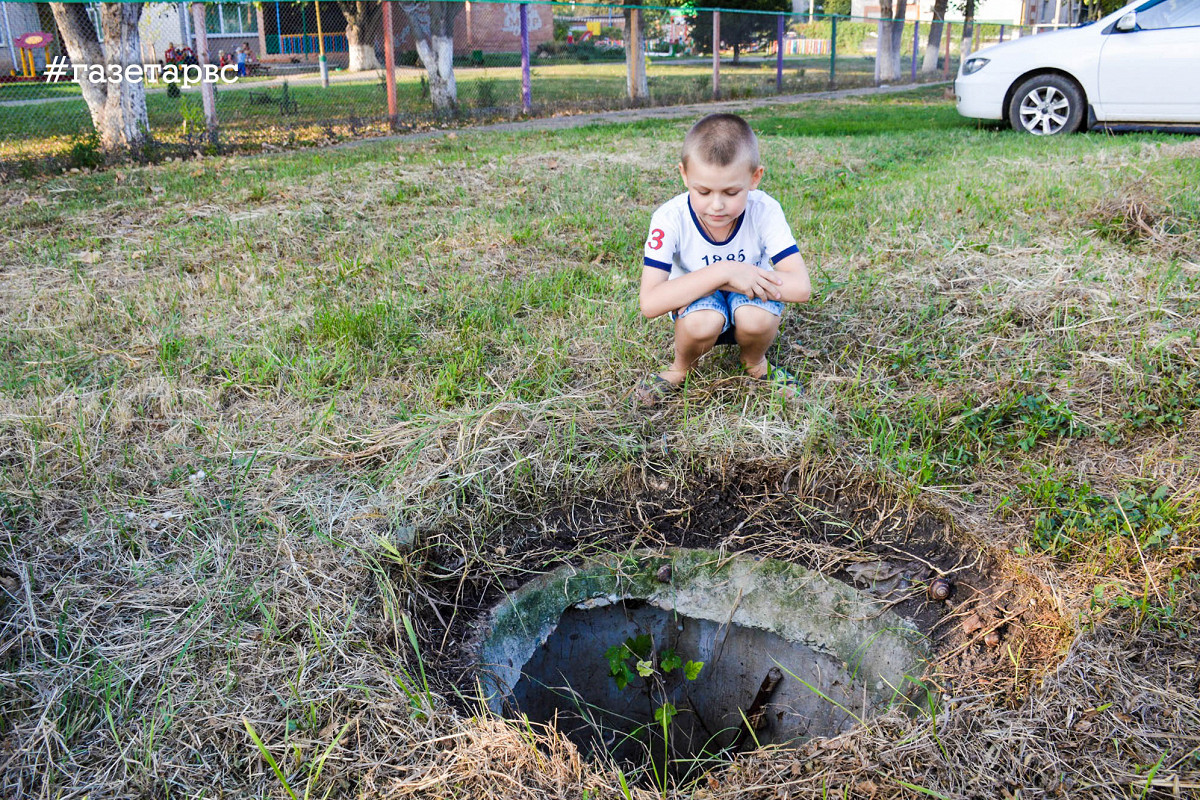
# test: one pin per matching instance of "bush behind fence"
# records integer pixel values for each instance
(503, 67)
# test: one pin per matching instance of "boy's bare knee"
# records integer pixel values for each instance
(701, 325)
(755, 322)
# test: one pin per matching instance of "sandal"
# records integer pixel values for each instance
(654, 389)
(785, 382)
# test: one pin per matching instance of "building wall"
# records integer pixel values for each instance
(160, 28)
(490, 27)
(1003, 11)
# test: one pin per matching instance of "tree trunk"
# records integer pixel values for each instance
(638, 88)
(361, 49)
(930, 64)
(891, 35)
(432, 27)
(968, 30)
(118, 110)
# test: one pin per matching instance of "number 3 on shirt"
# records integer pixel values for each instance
(656, 239)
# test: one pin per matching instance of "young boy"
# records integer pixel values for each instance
(721, 259)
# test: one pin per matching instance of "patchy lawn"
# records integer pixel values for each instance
(259, 415)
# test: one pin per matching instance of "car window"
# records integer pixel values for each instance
(1169, 14)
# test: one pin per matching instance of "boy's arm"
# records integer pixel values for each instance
(659, 295)
(794, 286)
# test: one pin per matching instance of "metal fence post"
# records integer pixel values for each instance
(779, 33)
(389, 61)
(916, 46)
(526, 90)
(716, 45)
(833, 52)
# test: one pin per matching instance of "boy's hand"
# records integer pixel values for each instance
(752, 281)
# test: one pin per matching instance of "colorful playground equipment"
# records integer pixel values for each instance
(27, 43)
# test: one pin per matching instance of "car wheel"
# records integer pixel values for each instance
(1045, 105)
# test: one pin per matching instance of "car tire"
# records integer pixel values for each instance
(1047, 105)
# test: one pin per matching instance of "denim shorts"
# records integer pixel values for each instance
(727, 303)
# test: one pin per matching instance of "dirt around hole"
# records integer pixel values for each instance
(997, 631)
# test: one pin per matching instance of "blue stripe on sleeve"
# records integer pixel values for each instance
(775, 259)
(650, 262)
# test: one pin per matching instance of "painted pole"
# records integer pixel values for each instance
(1001, 34)
(916, 46)
(208, 96)
(833, 52)
(716, 45)
(12, 50)
(321, 49)
(278, 31)
(779, 32)
(182, 10)
(526, 89)
(947, 32)
(389, 61)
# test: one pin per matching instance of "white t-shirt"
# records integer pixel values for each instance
(678, 244)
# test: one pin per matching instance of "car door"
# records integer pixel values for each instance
(1152, 73)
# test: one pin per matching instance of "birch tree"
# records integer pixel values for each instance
(118, 109)
(936, 27)
(891, 35)
(432, 26)
(968, 30)
(359, 15)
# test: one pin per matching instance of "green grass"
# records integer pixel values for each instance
(233, 389)
(250, 111)
(37, 90)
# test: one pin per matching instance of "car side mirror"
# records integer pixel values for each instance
(1127, 23)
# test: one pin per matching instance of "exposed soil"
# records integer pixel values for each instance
(996, 633)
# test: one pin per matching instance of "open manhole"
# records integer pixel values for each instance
(674, 658)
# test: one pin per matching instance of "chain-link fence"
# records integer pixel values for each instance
(275, 74)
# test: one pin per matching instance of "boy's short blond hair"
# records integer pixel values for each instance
(721, 140)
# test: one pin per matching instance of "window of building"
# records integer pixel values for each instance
(230, 18)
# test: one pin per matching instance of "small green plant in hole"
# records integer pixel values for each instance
(636, 657)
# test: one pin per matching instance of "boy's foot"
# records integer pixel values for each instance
(654, 389)
(783, 381)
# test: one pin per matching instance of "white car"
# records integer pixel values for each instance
(1140, 64)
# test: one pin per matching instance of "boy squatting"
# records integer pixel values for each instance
(721, 259)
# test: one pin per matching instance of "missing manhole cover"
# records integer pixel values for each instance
(787, 654)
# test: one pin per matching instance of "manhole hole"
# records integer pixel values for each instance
(673, 658)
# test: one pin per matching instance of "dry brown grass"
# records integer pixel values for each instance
(195, 539)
